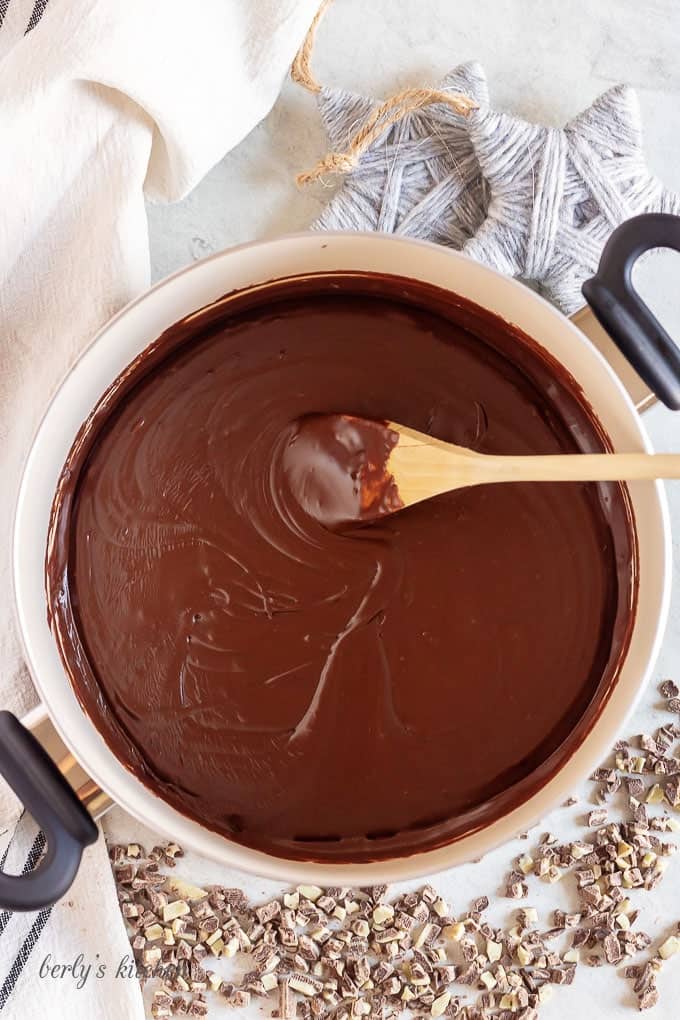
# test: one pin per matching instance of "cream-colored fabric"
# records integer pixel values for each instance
(73, 961)
(101, 104)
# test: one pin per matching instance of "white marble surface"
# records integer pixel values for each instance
(544, 60)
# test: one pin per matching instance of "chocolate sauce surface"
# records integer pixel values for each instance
(348, 693)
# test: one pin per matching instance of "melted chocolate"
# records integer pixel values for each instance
(349, 694)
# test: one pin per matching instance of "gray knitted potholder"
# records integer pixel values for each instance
(532, 201)
(420, 179)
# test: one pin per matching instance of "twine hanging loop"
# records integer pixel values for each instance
(382, 118)
(301, 69)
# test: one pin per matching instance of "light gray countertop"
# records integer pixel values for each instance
(544, 60)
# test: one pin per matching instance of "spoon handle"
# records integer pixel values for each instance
(581, 467)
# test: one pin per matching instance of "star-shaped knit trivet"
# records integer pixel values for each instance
(420, 178)
(557, 194)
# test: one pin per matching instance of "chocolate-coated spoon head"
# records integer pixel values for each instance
(336, 467)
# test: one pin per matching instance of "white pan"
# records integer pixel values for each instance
(121, 340)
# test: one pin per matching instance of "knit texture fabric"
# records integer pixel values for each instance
(557, 194)
(534, 202)
(420, 179)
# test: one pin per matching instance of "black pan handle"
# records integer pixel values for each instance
(46, 795)
(632, 326)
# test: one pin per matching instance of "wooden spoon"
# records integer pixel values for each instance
(343, 468)
(424, 467)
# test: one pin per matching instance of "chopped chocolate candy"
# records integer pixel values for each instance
(341, 954)
(648, 997)
(612, 949)
(268, 911)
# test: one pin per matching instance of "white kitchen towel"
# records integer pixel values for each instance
(102, 104)
(72, 960)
